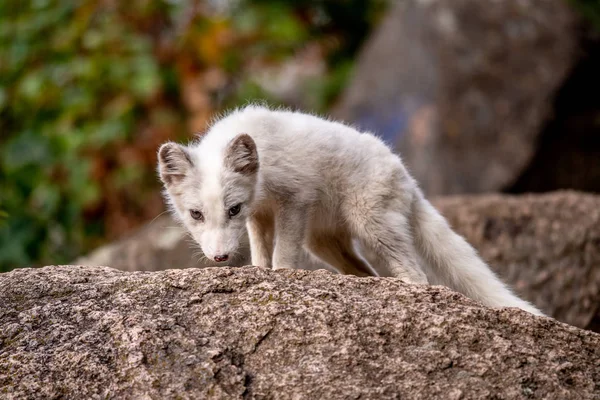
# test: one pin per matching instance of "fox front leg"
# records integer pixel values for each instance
(290, 231)
(260, 232)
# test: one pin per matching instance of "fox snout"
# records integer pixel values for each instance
(218, 256)
(219, 245)
(221, 255)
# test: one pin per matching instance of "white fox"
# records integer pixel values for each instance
(295, 181)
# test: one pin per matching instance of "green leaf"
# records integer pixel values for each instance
(25, 149)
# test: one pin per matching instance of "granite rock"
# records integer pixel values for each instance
(227, 333)
(463, 89)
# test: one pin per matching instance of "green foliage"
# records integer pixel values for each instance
(322, 92)
(64, 93)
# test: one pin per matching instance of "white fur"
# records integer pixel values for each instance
(321, 185)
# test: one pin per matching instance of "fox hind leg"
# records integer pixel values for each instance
(386, 236)
(337, 250)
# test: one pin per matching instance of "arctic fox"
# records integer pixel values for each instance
(296, 181)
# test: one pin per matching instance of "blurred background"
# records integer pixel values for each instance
(479, 97)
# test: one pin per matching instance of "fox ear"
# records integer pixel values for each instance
(241, 155)
(173, 163)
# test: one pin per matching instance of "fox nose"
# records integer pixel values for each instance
(221, 258)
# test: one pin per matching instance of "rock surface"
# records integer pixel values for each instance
(546, 246)
(94, 332)
(463, 88)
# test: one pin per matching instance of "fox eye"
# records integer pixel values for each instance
(197, 215)
(235, 210)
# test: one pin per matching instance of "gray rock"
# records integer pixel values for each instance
(463, 88)
(95, 332)
(546, 246)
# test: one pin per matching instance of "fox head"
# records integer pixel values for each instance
(211, 194)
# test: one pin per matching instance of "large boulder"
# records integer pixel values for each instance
(546, 246)
(464, 89)
(94, 332)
